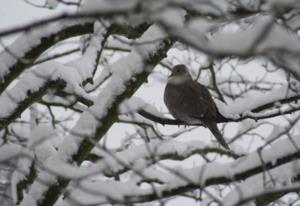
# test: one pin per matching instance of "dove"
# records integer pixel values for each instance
(191, 102)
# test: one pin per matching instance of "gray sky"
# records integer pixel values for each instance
(16, 12)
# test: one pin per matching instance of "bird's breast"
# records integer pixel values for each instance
(175, 97)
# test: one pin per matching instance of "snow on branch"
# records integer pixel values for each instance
(256, 101)
(86, 65)
(259, 38)
(260, 184)
(219, 28)
(128, 74)
(52, 75)
(183, 180)
(113, 163)
(33, 85)
(10, 151)
(38, 149)
(22, 53)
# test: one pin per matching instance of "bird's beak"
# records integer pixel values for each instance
(171, 75)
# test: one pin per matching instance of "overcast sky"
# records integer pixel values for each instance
(16, 12)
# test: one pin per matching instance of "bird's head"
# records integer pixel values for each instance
(180, 74)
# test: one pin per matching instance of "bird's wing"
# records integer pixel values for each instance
(203, 106)
(189, 101)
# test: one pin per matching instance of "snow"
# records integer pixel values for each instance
(89, 120)
(32, 81)
(24, 44)
(67, 101)
(245, 125)
(275, 132)
(258, 184)
(122, 72)
(88, 188)
(108, 5)
(10, 151)
(137, 156)
(40, 147)
(85, 65)
(52, 4)
(288, 41)
(260, 38)
(134, 104)
(122, 43)
(254, 99)
(100, 192)
(288, 61)
(38, 188)
(277, 5)
(201, 175)
(35, 79)
(40, 142)
(73, 73)
(202, 25)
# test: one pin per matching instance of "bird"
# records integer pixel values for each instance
(191, 102)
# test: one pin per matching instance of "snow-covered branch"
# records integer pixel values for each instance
(94, 137)
(95, 122)
(182, 180)
(51, 75)
(22, 53)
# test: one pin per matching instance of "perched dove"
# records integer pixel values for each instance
(190, 101)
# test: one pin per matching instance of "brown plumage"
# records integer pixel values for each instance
(191, 102)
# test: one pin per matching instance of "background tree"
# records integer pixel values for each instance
(82, 120)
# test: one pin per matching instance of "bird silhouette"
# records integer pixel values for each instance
(191, 102)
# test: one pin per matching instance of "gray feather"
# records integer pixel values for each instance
(212, 126)
(191, 102)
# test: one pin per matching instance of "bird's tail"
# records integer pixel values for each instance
(212, 126)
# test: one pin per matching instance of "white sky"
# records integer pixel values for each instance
(16, 12)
